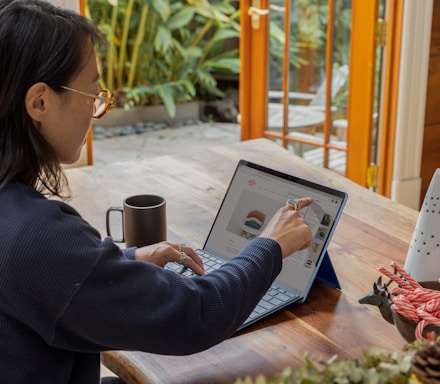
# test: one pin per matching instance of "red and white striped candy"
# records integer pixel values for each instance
(412, 301)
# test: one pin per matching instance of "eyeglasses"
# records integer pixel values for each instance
(103, 101)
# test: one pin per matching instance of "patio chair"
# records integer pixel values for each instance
(311, 115)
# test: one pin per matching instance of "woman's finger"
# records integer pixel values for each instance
(189, 263)
(190, 259)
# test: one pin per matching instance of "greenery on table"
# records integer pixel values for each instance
(376, 367)
(165, 51)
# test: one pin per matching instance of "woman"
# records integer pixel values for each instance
(66, 294)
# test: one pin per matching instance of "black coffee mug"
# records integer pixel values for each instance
(143, 220)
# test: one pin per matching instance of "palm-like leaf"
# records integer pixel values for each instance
(163, 51)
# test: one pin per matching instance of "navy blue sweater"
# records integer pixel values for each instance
(66, 295)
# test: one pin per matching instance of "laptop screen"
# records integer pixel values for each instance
(254, 194)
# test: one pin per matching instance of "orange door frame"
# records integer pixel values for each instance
(253, 72)
(89, 140)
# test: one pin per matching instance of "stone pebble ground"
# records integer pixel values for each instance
(100, 132)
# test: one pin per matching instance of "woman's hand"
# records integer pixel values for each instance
(289, 229)
(165, 252)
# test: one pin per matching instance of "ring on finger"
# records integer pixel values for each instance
(180, 247)
(182, 258)
(292, 204)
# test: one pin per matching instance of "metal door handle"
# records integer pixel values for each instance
(255, 14)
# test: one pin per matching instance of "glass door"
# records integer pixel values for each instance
(312, 79)
(309, 48)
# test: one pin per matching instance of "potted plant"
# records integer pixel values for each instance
(165, 52)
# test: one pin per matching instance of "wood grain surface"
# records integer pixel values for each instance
(372, 231)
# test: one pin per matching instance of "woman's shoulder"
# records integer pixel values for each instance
(25, 210)
(20, 198)
(46, 229)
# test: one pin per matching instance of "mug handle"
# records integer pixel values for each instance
(107, 223)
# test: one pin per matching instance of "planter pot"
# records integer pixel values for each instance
(153, 113)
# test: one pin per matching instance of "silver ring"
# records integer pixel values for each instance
(183, 257)
(292, 204)
(180, 247)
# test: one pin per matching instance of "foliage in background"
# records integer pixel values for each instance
(311, 30)
(307, 45)
(376, 367)
(165, 51)
(277, 42)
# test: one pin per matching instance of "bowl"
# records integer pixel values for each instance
(406, 327)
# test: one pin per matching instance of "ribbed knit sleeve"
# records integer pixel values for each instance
(160, 311)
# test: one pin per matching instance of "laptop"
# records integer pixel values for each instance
(253, 196)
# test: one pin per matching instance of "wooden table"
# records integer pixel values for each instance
(373, 231)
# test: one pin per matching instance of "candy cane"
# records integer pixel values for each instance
(405, 308)
(395, 278)
(412, 301)
(427, 319)
(405, 275)
(419, 329)
(412, 316)
(418, 295)
(430, 306)
(410, 295)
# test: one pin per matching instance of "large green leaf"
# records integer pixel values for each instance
(212, 14)
(194, 52)
(223, 6)
(166, 94)
(206, 80)
(206, 9)
(180, 19)
(228, 64)
(189, 87)
(225, 34)
(162, 7)
(163, 40)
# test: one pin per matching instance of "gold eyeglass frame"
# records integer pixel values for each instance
(109, 102)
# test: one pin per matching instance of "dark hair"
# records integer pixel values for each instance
(39, 42)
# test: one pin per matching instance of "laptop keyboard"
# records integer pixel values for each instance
(210, 263)
(274, 298)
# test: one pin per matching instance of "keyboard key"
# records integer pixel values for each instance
(266, 305)
(282, 297)
(275, 301)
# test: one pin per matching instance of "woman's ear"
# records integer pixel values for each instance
(36, 101)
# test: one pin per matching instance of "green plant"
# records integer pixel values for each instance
(163, 51)
(376, 367)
